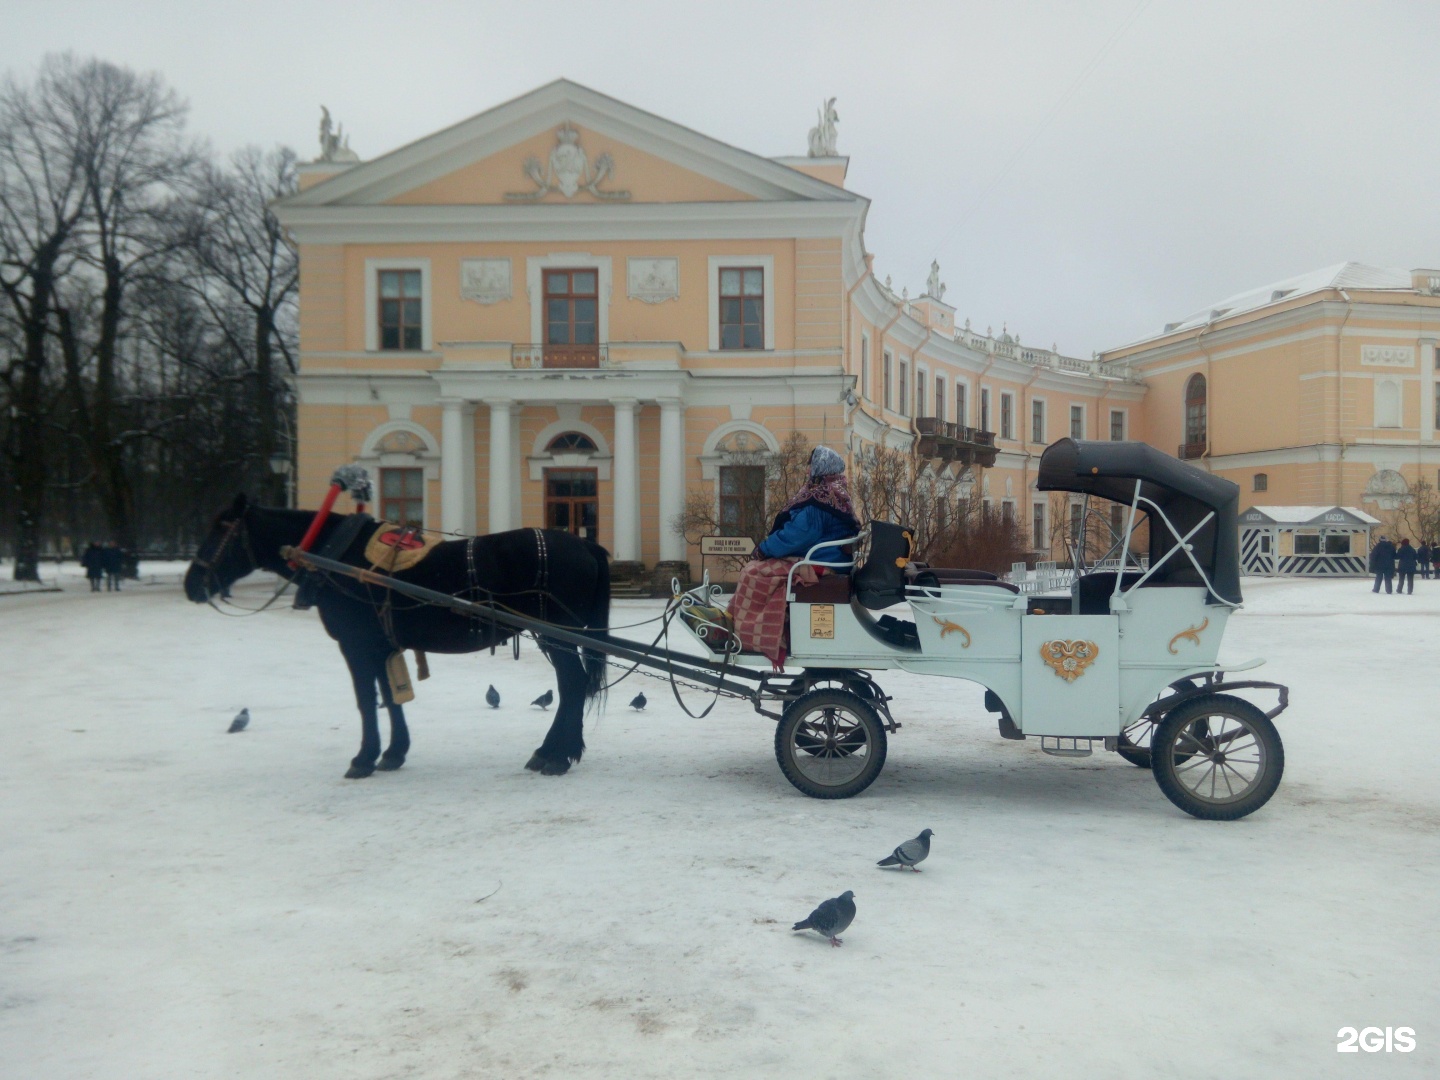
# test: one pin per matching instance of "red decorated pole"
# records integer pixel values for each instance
(320, 515)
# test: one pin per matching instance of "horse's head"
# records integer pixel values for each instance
(224, 556)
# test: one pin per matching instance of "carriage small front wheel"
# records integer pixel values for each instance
(1217, 757)
(830, 744)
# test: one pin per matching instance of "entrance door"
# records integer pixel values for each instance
(572, 502)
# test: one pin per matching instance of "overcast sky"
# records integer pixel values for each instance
(1084, 172)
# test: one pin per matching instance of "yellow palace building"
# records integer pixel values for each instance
(1320, 390)
(568, 312)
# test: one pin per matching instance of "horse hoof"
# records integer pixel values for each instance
(546, 767)
(389, 764)
(358, 772)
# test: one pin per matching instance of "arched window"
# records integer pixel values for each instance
(1195, 419)
(1261, 482)
(571, 442)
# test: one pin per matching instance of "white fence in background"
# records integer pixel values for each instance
(1047, 577)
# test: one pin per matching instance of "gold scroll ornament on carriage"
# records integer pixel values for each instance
(1069, 659)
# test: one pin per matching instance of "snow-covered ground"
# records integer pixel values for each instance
(179, 902)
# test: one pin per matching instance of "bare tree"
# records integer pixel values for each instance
(242, 259)
(42, 200)
(1417, 515)
(929, 498)
(127, 140)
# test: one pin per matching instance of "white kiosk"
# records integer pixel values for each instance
(1305, 541)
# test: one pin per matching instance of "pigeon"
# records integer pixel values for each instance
(544, 699)
(831, 917)
(242, 718)
(910, 852)
(492, 697)
(638, 702)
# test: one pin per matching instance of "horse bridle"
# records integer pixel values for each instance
(213, 583)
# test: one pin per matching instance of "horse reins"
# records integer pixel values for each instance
(237, 526)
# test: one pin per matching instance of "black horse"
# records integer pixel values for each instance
(540, 573)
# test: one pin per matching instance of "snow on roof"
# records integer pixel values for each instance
(1347, 275)
(1300, 515)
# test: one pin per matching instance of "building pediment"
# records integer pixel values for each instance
(565, 144)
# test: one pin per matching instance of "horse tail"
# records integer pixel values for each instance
(599, 619)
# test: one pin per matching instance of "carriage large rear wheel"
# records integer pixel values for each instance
(1217, 757)
(830, 744)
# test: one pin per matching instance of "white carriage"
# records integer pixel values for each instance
(1129, 659)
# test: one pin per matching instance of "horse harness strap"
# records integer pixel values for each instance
(542, 570)
(334, 548)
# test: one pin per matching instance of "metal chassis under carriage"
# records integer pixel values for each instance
(1127, 660)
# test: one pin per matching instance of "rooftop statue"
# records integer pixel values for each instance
(933, 285)
(334, 144)
(823, 134)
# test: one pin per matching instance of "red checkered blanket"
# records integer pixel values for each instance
(758, 606)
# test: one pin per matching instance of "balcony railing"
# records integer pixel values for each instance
(560, 356)
(955, 442)
(1190, 451)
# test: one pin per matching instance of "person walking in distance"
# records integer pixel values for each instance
(1382, 564)
(1405, 560)
(114, 563)
(1424, 554)
(93, 560)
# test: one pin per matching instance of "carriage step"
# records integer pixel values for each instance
(1065, 746)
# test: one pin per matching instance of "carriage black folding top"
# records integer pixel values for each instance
(1182, 492)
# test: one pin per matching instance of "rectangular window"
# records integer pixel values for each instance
(1437, 395)
(1307, 543)
(1007, 511)
(400, 302)
(888, 364)
(1077, 521)
(402, 496)
(1337, 543)
(984, 408)
(939, 398)
(742, 308)
(571, 307)
(1117, 521)
(742, 500)
(1037, 421)
(1117, 425)
(920, 378)
(962, 411)
(1007, 416)
(904, 388)
(1077, 421)
(865, 368)
(1038, 538)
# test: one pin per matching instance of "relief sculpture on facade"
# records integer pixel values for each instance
(485, 281)
(653, 280)
(568, 171)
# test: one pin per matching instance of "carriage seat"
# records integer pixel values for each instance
(881, 582)
(933, 576)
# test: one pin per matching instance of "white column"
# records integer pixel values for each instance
(467, 462)
(626, 504)
(672, 478)
(452, 464)
(501, 466)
